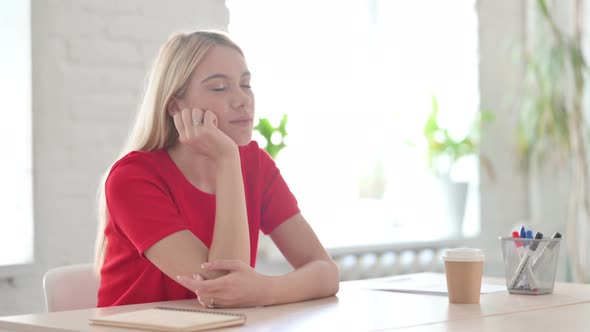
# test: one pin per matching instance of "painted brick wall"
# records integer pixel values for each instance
(89, 62)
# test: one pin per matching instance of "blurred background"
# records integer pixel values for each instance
(402, 127)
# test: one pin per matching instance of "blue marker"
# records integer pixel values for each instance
(529, 234)
(522, 233)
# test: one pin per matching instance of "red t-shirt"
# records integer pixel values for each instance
(148, 198)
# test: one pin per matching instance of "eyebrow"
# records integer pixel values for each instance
(223, 76)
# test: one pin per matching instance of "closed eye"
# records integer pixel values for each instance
(218, 89)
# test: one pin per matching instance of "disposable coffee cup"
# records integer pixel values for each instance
(464, 269)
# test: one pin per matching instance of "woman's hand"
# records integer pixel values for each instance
(198, 129)
(242, 287)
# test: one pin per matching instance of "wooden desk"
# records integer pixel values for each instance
(567, 318)
(357, 309)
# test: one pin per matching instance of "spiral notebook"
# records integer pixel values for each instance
(171, 319)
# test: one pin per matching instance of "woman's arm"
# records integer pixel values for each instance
(316, 275)
(231, 236)
(182, 253)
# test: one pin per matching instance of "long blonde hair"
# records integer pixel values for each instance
(154, 128)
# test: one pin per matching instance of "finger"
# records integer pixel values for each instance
(201, 301)
(187, 120)
(223, 265)
(179, 125)
(197, 116)
(210, 119)
(211, 301)
(200, 286)
(191, 283)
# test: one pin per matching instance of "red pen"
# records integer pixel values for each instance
(516, 236)
(518, 244)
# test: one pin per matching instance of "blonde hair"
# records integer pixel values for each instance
(154, 128)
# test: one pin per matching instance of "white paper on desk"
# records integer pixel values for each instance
(421, 283)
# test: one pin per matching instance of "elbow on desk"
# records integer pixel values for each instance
(334, 278)
(334, 290)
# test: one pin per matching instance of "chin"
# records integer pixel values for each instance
(244, 143)
(241, 141)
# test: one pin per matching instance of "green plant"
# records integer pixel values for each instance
(443, 151)
(267, 130)
(552, 119)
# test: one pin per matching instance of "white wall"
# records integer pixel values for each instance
(89, 61)
(504, 202)
(538, 199)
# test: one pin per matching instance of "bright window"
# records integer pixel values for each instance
(356, 80)
(16, 197)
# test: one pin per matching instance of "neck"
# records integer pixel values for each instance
(197, 169)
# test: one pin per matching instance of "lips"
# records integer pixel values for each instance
(243, 122)
(243, 119)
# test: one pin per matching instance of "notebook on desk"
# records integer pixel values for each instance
(171, 319)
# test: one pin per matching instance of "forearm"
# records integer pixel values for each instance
(231, 237)
(316, 279)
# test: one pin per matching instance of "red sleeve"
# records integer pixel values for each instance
(278, 203)
(139, 203)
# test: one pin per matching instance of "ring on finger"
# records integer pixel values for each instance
(196, 123)
(211, 305)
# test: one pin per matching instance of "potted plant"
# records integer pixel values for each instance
(443, 152)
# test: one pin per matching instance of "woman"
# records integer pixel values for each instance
(181, 210)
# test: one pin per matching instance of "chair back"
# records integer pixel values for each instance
(70, 287)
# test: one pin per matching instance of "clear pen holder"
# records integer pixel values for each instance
(530, 264)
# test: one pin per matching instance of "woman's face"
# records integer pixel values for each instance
(221, 84)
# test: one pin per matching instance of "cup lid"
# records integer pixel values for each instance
(463, 255)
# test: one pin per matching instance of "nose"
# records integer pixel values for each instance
(241, 100)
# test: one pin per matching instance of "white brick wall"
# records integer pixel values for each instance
(90, 58)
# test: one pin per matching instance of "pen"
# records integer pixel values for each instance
(524, 264)
(529, 278)
(546, 253)
(518, 244)
(523, 236)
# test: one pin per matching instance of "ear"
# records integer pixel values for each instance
(172, 107)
